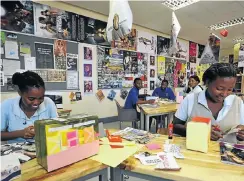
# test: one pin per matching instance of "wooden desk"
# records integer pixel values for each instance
(161, 109)
(83, 170)
(195, 166)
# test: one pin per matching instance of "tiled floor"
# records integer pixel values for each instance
(115, 125)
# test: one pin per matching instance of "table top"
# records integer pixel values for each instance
(160, 109)
(32, 171)
(195, 166)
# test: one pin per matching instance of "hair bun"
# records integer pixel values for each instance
(17, 78)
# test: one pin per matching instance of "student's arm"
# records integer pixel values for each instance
(154, 92)
(171, 94)
(180, 118)
(240, 134)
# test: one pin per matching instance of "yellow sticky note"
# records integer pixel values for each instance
(89, 135)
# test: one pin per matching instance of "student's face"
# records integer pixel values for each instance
(32, 98)
(164, 85)
(193, 82)
(221, 88)
(138, 84)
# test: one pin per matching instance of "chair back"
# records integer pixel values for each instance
(119, 107)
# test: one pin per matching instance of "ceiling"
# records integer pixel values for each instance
(194, 19)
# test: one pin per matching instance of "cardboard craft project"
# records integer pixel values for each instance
(198, 134)
(230, 136)
(60, 142)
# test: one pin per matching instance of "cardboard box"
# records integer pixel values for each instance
(60, 142)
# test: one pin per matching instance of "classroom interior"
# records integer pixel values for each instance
(88, 88)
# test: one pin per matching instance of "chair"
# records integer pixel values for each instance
(126, 115)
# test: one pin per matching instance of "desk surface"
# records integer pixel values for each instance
(32, 171)
(162, 108)
(195, 166)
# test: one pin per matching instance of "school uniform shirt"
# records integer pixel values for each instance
(164, 93)
(132, 99)
(196, 89)
(13, 118)
(186, 107)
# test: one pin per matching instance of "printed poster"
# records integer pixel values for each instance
(11, 46)
(87, 70)
(241, 56)
(161, 65)
(128, 43)
(56, 76)
(1, 65)
(1, 78)
(72, 62)
(142, 59)
(146, 42)
(87, 53)
(100, 96)
(183, 49)
(192, 52)
(88, 87)
(17, 16)
(72, 80)
(152, 85)
(200, 50)
(60, 50)
(3, 38)
(42, 74)
(10, 66)
(25, 49)
(111, 95)
(236, 51)
(44, 56)
(162, 45)
(169, 69)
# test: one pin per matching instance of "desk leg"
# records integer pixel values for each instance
(115, 174)
(142, 120)
(104, 175)
(147, 122)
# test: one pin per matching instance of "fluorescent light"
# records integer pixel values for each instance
(177, 4)
(236, 21)
(238, 40)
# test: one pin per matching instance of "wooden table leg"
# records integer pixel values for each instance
(147, 122)
(142, 120)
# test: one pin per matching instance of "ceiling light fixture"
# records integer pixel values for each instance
(238, 40)
(236, 21)
(177, 4)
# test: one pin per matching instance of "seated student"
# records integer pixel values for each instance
(132, 99)
(164, 91)
(194, 84)
(19, 114)
(216, 102)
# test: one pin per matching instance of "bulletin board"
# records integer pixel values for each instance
(19, 51)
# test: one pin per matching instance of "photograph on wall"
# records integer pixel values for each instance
(64, 24)
(45, 18)
(44, 56)
(111, 95)
(146, 42)
(200, 50)
(130, 62)
(60, 49)
(42, 74)
(152, 73)
(87, 53)
(123, 93)
(11, 46)
(72, 60)
(56, 76)
(100, 96)
(17, 16)
(152, 85)
(129, 42)
(110, 69)
(163, 45)
(152, 60)
(87, 70)
(78, 96)
(192, 52)
(183, 49)
(72, 80)
(24, 49)
(88, 87)
(95, 32)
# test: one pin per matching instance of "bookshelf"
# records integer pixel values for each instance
(239, 87)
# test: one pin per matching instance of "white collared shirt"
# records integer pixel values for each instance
(196, 89)
(185, 108)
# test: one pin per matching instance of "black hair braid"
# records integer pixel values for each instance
(27, 80)
(218, 70)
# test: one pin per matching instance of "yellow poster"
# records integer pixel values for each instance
(161, 65)
(236, 51)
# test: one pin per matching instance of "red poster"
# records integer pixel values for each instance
(192, 52)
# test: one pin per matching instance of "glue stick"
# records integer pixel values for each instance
(170, 131)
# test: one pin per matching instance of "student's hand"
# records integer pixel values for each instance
(215, 135)
(240, 133)
(151, 101)
(28, 132)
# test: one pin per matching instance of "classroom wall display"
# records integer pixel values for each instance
(72, 62)
(236, 51)
(241, 56)
(183, 50)
(146, 42)
(192, 52)
(17, 16)
(27, 52)
(128, 43)
(161, 65)
(163, 45)
(200, 50)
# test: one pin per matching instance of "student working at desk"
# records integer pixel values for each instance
(132, 99)
(19, 114)
(216, 102)
(164, 91)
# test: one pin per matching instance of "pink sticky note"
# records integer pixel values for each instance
(73, 143)
(72, 134)
(153, 146)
